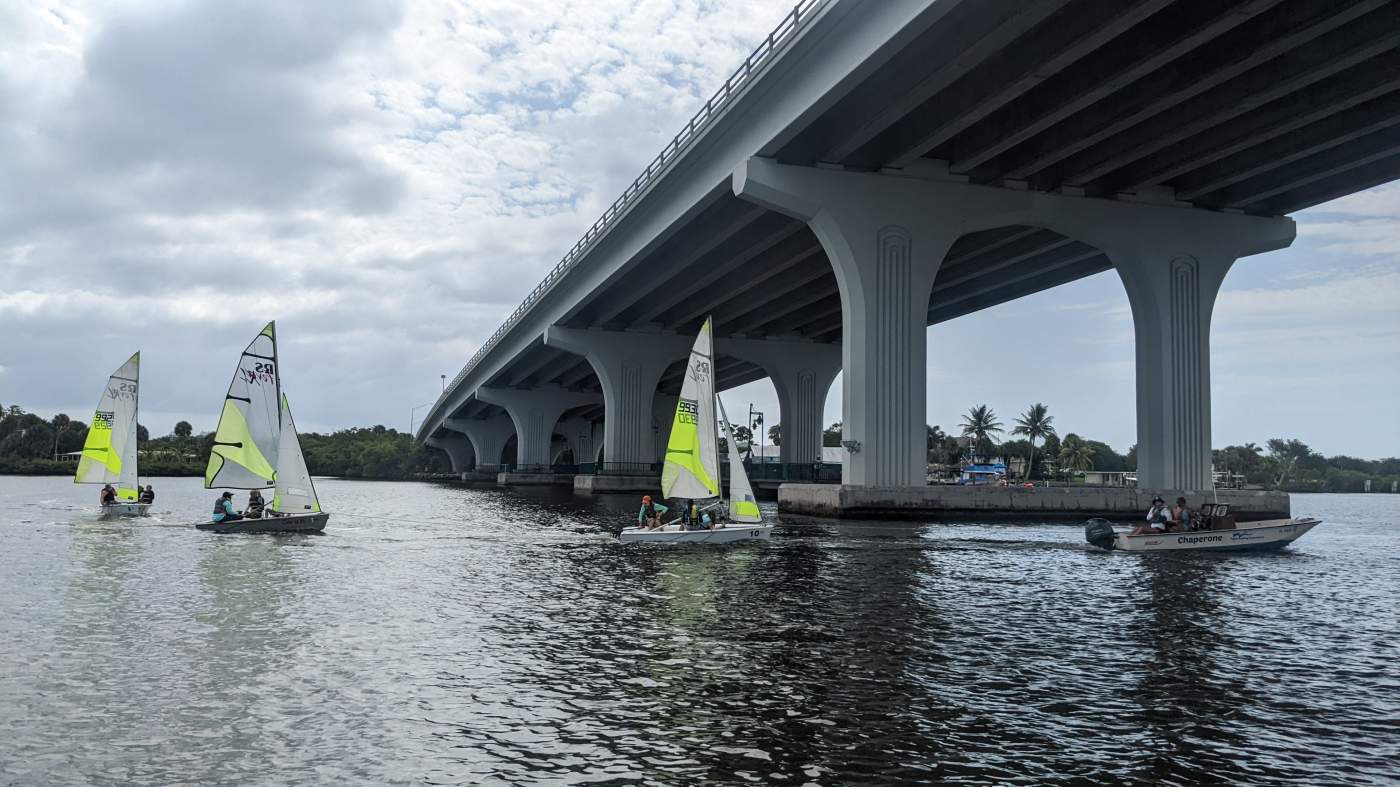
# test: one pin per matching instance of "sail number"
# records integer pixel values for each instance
(262, 372)
(687, 411)
(122, 391)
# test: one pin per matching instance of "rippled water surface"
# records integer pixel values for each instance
(452, 635)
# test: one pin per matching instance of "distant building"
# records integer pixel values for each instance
(1108, 478)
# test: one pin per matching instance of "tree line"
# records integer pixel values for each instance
(29, 445)
(1281, 463)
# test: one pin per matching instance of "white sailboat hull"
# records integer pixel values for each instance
(1267, 534)
(672, 534)
(125, 509)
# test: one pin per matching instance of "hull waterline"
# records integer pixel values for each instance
(301, 523)
(116, 510)
(1269, 534)
(729, 534)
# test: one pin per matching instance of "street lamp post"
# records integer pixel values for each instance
(444, 382)
(411, 413)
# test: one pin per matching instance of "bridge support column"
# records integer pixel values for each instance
(663, 417)
(628, 365)
(885, 241)
(534, 413)
(578, 436)
(1172, 279)
(458, 450)
(801, 373)
(887, 234)
(488, 437)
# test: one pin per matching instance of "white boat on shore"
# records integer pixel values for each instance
(1220, 533)
(691, 469)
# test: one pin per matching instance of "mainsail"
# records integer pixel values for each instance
(109, 452)
(743, 507)
(294, 493)
(246, 442)
(691, 469)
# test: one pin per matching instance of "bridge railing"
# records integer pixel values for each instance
(713, 109)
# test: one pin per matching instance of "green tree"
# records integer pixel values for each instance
(1075, 454)
(831, 436)
(981, 423)
(775, 434)
(1035, 423)
(183, 429)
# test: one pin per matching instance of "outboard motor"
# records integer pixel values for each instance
(1099, 532)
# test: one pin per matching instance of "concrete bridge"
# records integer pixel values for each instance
(879, 166)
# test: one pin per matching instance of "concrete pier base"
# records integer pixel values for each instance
(604, 484)
(476, 476)
(982, 502)
(534, 479)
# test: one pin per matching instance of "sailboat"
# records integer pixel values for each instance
(255, 427)
(109, 452)
(691, 468)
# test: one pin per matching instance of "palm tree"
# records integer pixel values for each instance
(980, 422)
(1036, 423)
(1075, 454)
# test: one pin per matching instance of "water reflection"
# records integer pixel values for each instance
(451, 635)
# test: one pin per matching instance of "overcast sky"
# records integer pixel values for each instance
(388, 180)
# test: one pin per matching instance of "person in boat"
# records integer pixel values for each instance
(1157, 518)
(223, 509)
(148, 495)
(650, 514)
(254, 510)
(1181, 517)
(692, 516)
(707, 522)
(107, 495)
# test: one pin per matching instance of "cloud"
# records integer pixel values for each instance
(386, 180)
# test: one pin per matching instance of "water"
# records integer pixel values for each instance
(489, 636)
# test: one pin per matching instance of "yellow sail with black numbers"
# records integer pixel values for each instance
(109, 452)
(246, 441)
(691, 466)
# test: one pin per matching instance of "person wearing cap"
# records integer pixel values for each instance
(107, 495)
(650, 514)
(1157, 518)
(223, 509)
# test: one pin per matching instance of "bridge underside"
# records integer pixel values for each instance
(1252, 107)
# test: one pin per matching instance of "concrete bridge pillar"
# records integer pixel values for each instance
(458, 450)
(488, 437)
(801, 373)
(628, 365)
(886, 235)
(663, 417)
(885, 245)
(1172, 274)
(534, 413)
(578, 436)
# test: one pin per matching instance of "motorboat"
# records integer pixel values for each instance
(1218, 532)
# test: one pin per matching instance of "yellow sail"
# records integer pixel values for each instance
(691, 467)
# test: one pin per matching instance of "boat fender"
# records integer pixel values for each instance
(1099, 532)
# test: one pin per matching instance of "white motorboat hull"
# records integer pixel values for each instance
(125, 509)
(672, 534)
(1267, 534)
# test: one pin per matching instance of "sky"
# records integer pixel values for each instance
(388, 180)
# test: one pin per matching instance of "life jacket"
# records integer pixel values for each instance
(649, 510)
(219, 507)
